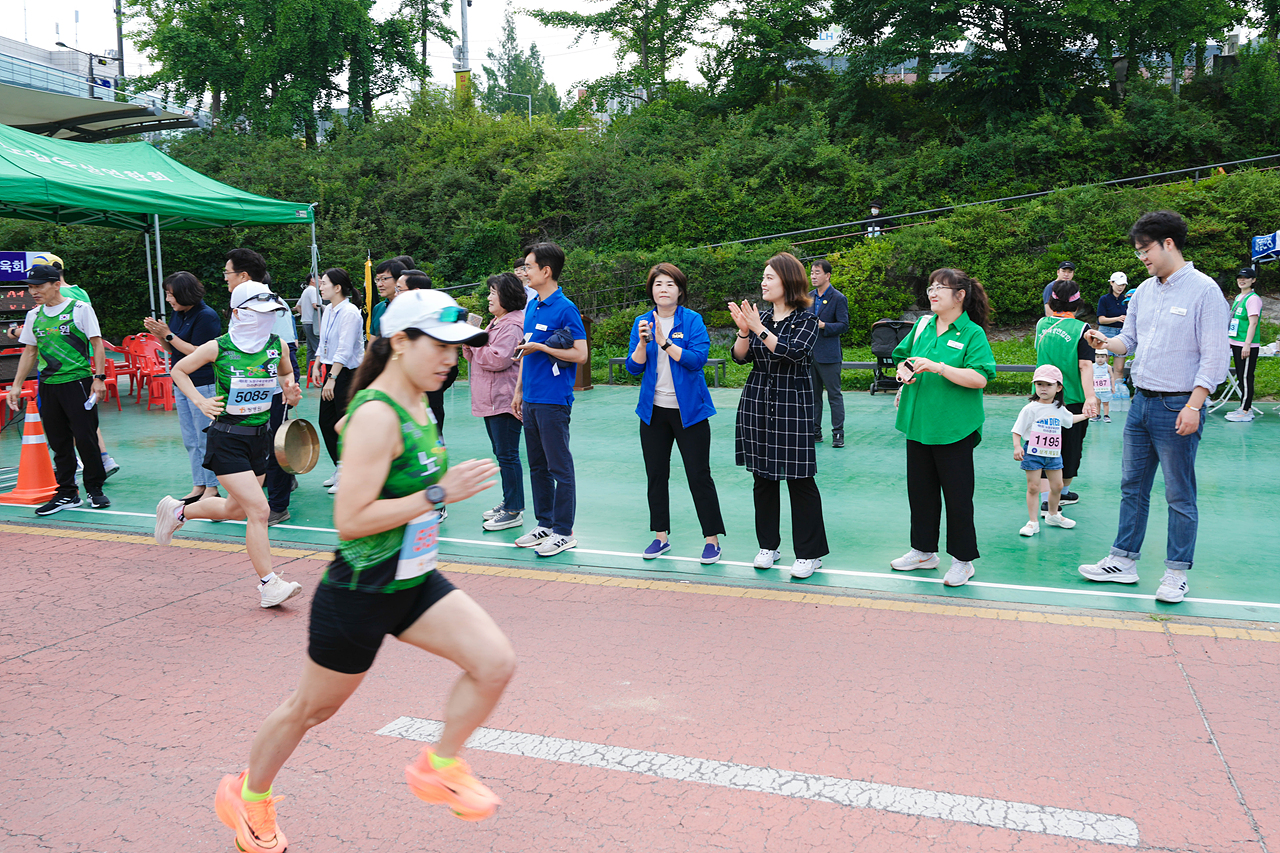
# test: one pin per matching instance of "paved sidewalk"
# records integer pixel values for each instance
(645, 716)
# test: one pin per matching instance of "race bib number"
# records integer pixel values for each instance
(249, 396)
(1101, 383)
(420, 546)
(1045, 440)
(1234, 328)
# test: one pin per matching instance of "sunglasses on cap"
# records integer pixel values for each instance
(260, 297)
(452, 314)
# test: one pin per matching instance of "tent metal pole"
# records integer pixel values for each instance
(151, 290)
(315, 250)
(159, 266)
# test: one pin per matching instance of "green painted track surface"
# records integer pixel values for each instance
(864, 502)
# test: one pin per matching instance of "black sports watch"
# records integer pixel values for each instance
(101, 376)
(435, 494)
(664, 346)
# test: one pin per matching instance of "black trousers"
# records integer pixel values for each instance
(935, 471)
(1072, 444)
(69, 428)
(331, 411)
(435, 401)
(808, 532)
(1245, 367)
(279, 484)
(656, 438)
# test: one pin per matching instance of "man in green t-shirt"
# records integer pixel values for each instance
(62, 334)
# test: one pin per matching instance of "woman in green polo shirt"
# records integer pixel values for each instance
(943, 365)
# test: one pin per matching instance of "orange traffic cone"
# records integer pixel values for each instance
(36, 483)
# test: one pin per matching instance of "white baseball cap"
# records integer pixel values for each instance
(256, 296)
(1119, 278)
(433, 313)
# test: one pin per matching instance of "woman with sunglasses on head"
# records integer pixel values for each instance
(669, 346)
(774, 436)
(944, 362)
(383, 578)
(248, 362)
(341, 349)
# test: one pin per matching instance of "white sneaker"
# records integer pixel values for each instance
(554, 545)
(958, 574)
(1112, 569)
(913, 560)
(1031, 528)
(337, 478)
(804, 568)
(503, 520)
(1059, 520)
(1172, 588)
(765, 559)
(333, 478)
(534, 537)
(490, 513)
(167, 521)
(278, 591)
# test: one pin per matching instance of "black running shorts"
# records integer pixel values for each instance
(227, 453)
(347, 627)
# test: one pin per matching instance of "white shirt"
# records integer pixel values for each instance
(308, 303)
(664, 392)
(82, 316)
(342, 335)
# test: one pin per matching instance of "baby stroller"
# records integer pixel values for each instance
(885, 337)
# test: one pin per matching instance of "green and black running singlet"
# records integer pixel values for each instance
(369, 564)
(246, 381)
(62, 346)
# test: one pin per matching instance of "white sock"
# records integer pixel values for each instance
(178, 514)
(268, 579)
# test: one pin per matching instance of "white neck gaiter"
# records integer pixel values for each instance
(250, 330)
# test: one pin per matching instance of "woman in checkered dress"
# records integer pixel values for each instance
(775, 413)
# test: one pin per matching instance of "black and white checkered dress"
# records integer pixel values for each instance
(774, 436)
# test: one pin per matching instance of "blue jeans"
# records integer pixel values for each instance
(1150, 441)
(504, 436)
(193, 422)
(551, 479)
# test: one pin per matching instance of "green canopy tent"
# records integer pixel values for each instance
(131, 186)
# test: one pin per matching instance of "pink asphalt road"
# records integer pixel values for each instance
(135, 677)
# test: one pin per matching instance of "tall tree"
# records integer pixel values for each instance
(651, 36)
(767, 46)
(513, 70)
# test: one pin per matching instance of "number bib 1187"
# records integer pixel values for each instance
(420, 546)
(249, 396)
(1045, 440)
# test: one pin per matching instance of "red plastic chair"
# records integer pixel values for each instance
(113, 383)
(130, 368)
(151, 363)
(160, 391)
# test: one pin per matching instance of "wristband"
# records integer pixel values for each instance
(745, 336)
(1191, 407)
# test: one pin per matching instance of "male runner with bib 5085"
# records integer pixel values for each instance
(248, 362)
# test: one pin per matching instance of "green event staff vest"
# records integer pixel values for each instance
(62, 346)
(1057, 340)
(245, 381)
(368, 564)
(1240, 322)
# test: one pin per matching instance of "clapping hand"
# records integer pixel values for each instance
(155, 327)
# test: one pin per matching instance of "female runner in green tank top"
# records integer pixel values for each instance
(383, 578)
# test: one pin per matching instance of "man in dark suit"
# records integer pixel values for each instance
(833, 319)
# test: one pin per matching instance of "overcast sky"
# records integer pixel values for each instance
(565, 66)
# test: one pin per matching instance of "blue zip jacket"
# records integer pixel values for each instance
(690, 334)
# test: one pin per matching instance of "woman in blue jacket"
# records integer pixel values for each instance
(669, 346)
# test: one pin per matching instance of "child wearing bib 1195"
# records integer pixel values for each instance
(1037, 444)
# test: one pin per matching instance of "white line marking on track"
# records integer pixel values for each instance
(897, 576)
(979, 811)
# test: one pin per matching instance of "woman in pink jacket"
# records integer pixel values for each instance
(493, 383)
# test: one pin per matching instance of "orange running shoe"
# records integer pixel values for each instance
(454, 786)
(254, 823)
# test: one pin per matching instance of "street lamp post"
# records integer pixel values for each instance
(518, 95)
(92, 79)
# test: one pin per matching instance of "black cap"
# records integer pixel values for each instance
(1247, 272)
(42, 274)
(1066, 265)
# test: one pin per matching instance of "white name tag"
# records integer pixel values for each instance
(540, 327)
(420, 546)
(250, 396)
(1181, 312)
(955, 344)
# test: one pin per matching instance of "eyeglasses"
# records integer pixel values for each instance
(1141, 254)
(384, 277)
(937, 288)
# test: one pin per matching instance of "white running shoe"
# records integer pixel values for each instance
(1112, 569)
(1240, 417)
(534, 537)
(1060, 520)
(167, 521)
(333, 478)
(913, 560)
(1172, 588)
(554, 545)
(490, 513)
(503, 520)
(1031, 528)
(804, 568)
(278, 591)
(958, 574)
(766, 558)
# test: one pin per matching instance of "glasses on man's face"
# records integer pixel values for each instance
(1141, 254)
